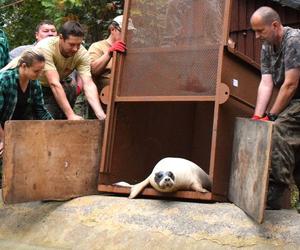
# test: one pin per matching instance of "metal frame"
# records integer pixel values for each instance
(222, 94)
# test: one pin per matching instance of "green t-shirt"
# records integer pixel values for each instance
(285, 58)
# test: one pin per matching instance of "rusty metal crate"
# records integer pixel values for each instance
(166, 93)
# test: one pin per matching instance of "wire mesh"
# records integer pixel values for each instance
(174, 50)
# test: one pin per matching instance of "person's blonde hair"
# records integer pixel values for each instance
(29, 57)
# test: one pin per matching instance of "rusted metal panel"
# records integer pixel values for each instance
(166, 90)
(170, 72)
(243, 80)
(50, 160)
(181, 56)
(147, 132)
(250, 166)
(227, 114)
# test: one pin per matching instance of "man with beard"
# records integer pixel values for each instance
(280, 67)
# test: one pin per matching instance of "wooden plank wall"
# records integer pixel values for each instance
(50, 160)
(250, 166)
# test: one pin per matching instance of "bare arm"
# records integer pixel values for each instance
(286, 91)
(99, 64)
(60, 95)
(91, 93)
(264, 93)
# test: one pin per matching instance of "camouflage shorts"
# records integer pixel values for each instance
(286, 146)
(81, 106)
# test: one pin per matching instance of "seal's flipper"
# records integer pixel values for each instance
(205, 180)
(137, 188)
(197, 187)
(122, 184)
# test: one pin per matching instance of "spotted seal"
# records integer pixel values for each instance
(171, 174)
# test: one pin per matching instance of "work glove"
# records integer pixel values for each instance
(79, 85)
(78, 90)
(256, 117)
(270, 117)
(118, 46)
(266, 118)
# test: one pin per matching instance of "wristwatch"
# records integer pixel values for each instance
(272, 117)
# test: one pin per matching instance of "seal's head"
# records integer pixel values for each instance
(164, 179)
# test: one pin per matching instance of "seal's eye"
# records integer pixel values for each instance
(171, 175)
(158, 175)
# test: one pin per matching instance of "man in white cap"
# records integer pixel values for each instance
(101, 52)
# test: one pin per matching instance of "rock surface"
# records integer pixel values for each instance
(111, 222)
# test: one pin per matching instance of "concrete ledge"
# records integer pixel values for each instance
(108, 222)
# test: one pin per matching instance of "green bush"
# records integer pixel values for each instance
(19, 20)
(294, 196)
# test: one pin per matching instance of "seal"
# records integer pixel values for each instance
(172, 174)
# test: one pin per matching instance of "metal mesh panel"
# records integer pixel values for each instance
(174, 49)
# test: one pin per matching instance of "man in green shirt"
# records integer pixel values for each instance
(280, 68)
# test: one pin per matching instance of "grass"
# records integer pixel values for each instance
(295, 198)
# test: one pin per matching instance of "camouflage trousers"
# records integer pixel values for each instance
(81, 106)
(285, 162)
(69, 87)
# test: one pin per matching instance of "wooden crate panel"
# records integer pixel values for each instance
(250, 164)
(45, 160)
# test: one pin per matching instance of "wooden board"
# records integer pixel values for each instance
(250, 164)
(151, 192)
(50, 160)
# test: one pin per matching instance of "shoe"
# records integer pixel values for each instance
(275, 193)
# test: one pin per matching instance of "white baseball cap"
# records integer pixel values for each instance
(119, 20)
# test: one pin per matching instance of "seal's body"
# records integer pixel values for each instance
(172, 174)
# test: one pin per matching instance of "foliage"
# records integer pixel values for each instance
(152, 15)
(20, 19)
(294, 196)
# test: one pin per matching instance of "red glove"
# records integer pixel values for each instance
(79, 86)
(256, 117)
(266, 118)
(118, 46)
(78, 90)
